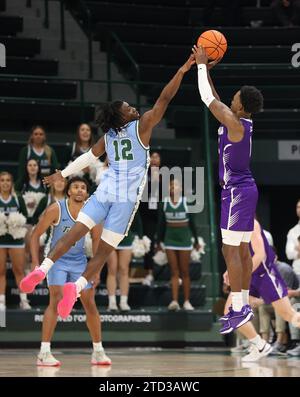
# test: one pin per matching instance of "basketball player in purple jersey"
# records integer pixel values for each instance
(239, 191)
(267, 284)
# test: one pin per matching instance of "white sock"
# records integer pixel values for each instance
(245, 293)
(237, 301)
(23, 297)
(2, 298)
(123, 300)
(81, 283)
(46, 265)
(45, 347)
(97, 347)
(258, 342)
(112, 299)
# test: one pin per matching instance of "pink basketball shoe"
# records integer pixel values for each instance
(65, 305)
(28, 284)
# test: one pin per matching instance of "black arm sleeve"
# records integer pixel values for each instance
(161, 224)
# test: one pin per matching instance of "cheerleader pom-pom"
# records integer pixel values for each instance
(16, 223)
(138, 248)
(88, 246)
(202, 244)
(147, 243)
(79, 173)
(160, 258)
(15, 219)
(195, 255)
(43, 239)
(95, 171)
(3, 225)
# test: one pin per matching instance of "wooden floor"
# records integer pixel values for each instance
(128, 362)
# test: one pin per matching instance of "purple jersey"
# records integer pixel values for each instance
(234, 158)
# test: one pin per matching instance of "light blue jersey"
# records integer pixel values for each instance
(73, 263)
(117, 197)
(128, 162)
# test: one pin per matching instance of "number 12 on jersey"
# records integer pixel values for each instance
(125, 150)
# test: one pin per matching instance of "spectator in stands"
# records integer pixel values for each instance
(57, 192)
(296, 263)
(294, 296)
(175, 228)
(118, 268)
(149, 211)
(37, 149)
(11, 236)
(292, 245)
(267, 311)
(83, 143)
(269, 237)
(286, 12)
(231, 12)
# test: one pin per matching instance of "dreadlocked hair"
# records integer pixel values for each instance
(109, 115)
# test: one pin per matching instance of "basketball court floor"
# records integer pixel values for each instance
(152, 362)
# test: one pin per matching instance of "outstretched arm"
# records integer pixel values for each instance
(49, 217)
(79, 164)
(221, 112)
(151, 118)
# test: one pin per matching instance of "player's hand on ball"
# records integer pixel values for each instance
(200, 54)
(211, 64)
(189, 63)
(51, 179)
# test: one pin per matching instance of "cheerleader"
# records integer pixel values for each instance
(176, 229)
(13, 216)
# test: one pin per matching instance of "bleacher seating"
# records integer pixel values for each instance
(28, 100)
(158, 35)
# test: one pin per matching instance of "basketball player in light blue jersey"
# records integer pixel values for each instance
(126, 143)
(60, 217)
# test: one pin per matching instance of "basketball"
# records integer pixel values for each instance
(214, 43)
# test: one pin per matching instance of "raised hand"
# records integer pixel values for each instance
(211, 64)
(189, 63)
(200, 54)
(51, 179)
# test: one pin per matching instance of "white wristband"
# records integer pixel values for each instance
(77, 165)
(204, 86)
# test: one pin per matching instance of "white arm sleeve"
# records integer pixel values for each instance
(81, 162)
(204, 86)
